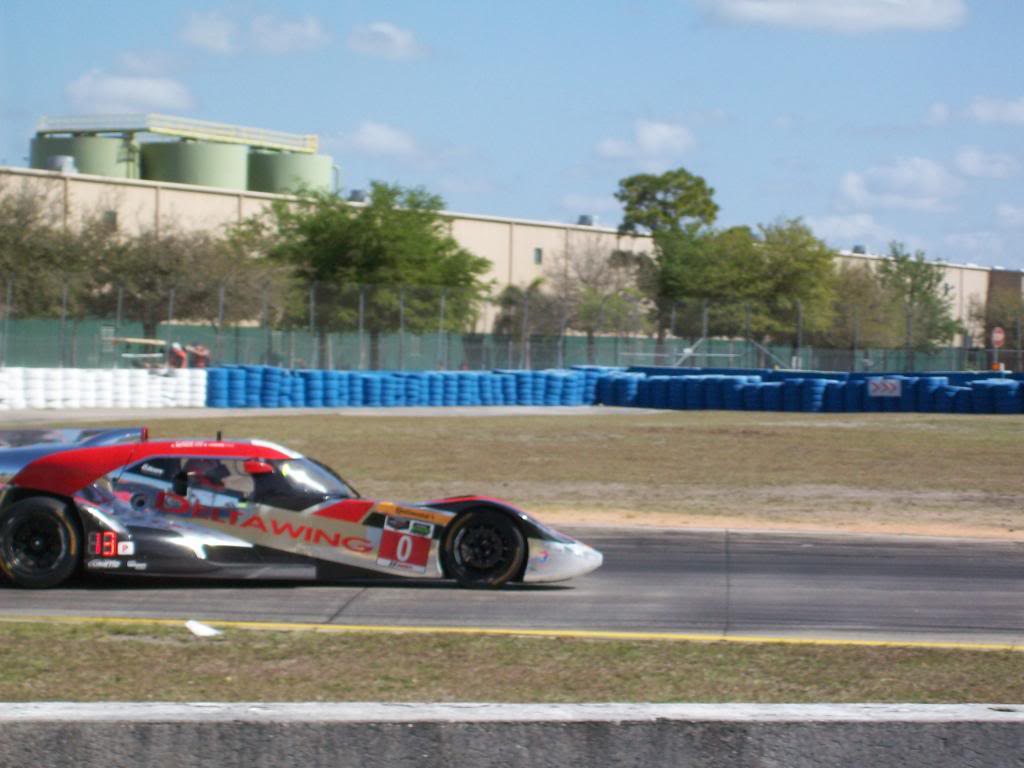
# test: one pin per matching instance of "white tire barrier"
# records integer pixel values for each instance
(60, 388)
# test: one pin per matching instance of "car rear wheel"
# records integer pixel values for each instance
(40, 544)
(483, 548)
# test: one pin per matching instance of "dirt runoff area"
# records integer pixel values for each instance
(848, 510)
(923, 474)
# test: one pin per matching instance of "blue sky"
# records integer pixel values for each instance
(873, 120)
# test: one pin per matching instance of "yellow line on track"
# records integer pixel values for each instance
(581, 634)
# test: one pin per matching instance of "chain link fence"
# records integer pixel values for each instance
(70, 321)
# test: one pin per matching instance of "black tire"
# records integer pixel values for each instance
(483, 549)
(40, 543)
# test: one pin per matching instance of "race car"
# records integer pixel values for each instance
(114, 501)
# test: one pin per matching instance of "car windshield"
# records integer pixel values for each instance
(311, 478)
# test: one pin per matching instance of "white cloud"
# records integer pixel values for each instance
(987, 110)
(279, 36)
(974, 162)
(1010, 215)
(842, 15)
(381, 139)
(384, 40)
(938, 113)
(100, 91)
(844, 231)
(652, 142)
(976, 247)
(915, 184)
(211, 31)
(143, 63)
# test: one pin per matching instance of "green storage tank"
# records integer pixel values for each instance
(202, 163)
(99, 155)
(282, 172)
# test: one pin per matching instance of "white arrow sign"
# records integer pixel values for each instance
(885, 387)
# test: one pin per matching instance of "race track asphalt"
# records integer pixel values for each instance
(716, 583)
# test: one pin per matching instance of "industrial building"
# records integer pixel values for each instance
(146, 172)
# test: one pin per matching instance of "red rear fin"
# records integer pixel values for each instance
(349, 510)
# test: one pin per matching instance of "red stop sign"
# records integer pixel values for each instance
(998, 337)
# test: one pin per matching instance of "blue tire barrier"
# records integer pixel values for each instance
(217, 388)
(731, 388)
(812, 395)
(252, 386)
(792, 394)
(753, 397)
(772, 394)
(625, 389)
(695, 399)
(834, 399)
(853, 396)
(713, 395)
(963, 400)
(677, 392)
(927, 387)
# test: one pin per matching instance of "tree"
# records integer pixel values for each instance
(398, 240)
(675, 207)
(795, 281)
(864, 314)
(763, 283)
(155, 276)
(919, 288)
(671, 201)
(593, 289)
(44, 261)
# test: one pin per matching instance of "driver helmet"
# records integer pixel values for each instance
(206, 473)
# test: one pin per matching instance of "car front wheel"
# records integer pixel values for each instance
(482, 549)
(40, 544)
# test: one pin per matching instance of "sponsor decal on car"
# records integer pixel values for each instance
(392, 509)
(262, 524)
(405, 544)
(103, 564)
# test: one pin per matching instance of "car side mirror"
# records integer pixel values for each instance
(257, 467)
(180, 484)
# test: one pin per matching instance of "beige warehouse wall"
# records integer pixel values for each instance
(140, 205)
(509, 244)
(968, 285)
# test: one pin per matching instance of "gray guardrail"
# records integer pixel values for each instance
(592, 735)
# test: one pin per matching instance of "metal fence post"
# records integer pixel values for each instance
(63, 321)
(7, 320)
(1019, 366)
(220, 322)
(362, 328)
(748, 351)
(401, 328)
(268, 335)
(705, 328)
(908, 357)
(561, 337)
(119, 310)
(315, 357)
(170, 315)
(442, 339)
(798, 348)
(856, 339)
(525, 342)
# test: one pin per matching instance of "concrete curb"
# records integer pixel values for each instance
(427, 735)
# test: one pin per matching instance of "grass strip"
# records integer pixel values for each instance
(141, 661)
(924, 473)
